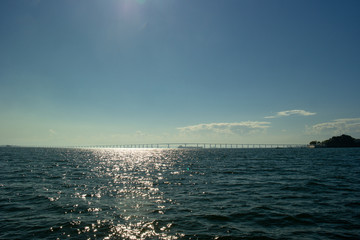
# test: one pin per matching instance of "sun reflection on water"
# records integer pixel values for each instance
(122, 194)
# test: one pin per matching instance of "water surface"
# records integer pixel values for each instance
(179, 193)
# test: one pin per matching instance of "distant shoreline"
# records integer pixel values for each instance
(343, 141)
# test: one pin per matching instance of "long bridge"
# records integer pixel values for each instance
(197, 145)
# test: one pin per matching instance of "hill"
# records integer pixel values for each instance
(342, 141)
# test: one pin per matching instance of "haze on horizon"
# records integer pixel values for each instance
(92, 72)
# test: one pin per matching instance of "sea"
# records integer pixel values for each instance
(289, 193)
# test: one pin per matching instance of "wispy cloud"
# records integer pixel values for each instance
(338, 126)
(52, 132)
(290, 113)
(245, 127)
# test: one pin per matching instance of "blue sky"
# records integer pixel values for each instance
(124, 71)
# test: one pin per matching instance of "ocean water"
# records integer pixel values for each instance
(179, 193)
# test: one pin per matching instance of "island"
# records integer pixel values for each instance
(343, 141)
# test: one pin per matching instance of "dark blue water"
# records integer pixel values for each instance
(179, 194)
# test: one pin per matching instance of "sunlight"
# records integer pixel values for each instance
(131, 6)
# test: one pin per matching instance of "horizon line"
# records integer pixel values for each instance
(170, 145)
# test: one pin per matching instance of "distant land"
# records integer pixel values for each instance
(342, 141)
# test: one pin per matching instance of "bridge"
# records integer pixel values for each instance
(197, 145)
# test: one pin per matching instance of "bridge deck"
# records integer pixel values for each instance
(198, 145)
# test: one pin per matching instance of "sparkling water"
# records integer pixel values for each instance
(179, 193)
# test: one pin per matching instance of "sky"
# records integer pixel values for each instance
(91, 72)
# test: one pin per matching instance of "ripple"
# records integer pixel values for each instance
(177, 194)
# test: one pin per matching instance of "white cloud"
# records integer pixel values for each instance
(291, 112)
(52, 132)
(338, 126)
(246, 127)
